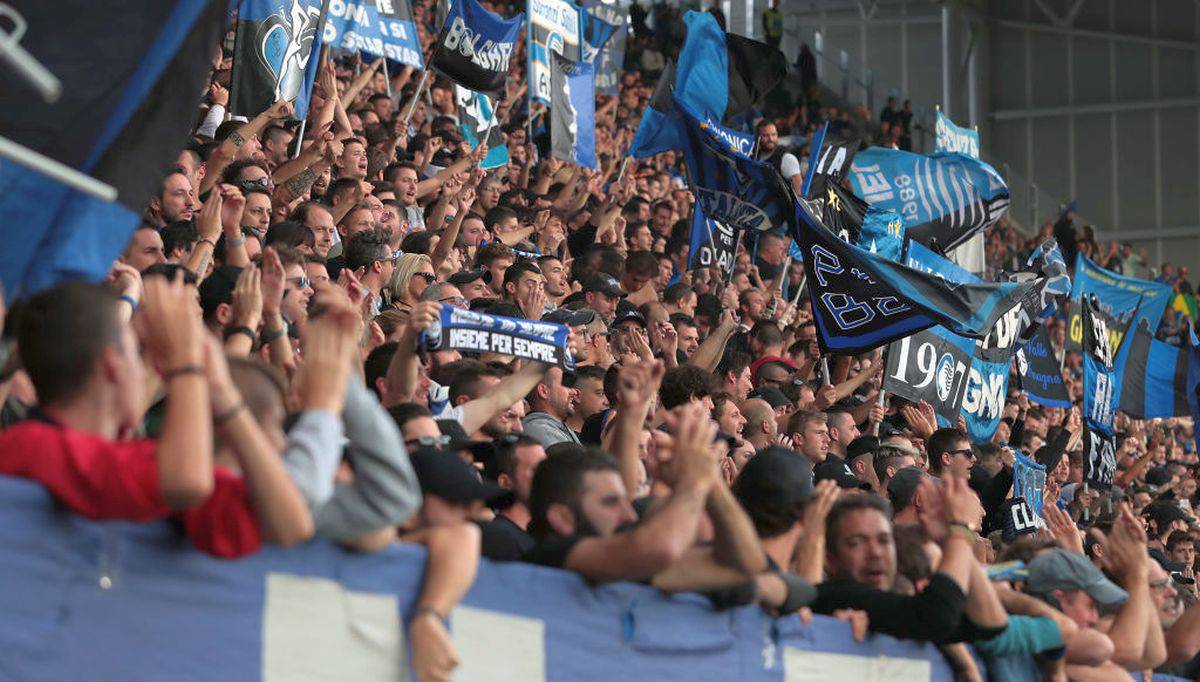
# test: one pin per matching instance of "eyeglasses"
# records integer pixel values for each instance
(428, 441)
(456, 301)
(300, 282)
(429, 277)
(965, 452)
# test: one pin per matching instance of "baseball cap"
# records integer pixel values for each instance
(571, 318)
(605, 284)
(443, 473)
(218, 287)
(628, 312)
(467, 276)
(1059, 569)
(1164, 514)
(903, 487)
(786, 362)
(777, 474)
(1158, 476)
(774, 397)
(504, 309)
(833, 468)
(863, 445)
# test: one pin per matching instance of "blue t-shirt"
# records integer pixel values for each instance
(1010, 655)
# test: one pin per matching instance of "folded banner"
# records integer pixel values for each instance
(713, 244)
(1039, 372)
(555, 27)
(1018, 519)
(719, 76)
(944, 198)
(458, 329)
(829, 158)
(729, 185)
(610, 56)
(951, 138)
(573, 112)
(475, 46)
(475, 119)
(1098, 375)
(131, 79)
(273, 55)
(932, 367)
(1154, 384)
(1124, 301)
(1099, 458)
(862, 301)
(384, 28)
(1029, 481)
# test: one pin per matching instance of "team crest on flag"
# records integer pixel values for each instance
(285, 41)
(273, 55)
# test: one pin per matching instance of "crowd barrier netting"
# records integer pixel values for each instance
(119, 601)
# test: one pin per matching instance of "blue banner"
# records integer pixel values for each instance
(467, 330)
(605, 30)
(951, 138)
(1124, 301)
(274, 56)
(1029, 482)
(713, 244)
(475, 46)
(555, 27)
(1155, 377)
(882, 233)
(944, 198)
(1040, 372)
(119, 601)
(1100, 392)
(384, 28)
(573, 112)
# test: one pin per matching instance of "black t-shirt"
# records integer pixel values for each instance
(933, 615)
(551, 551)
(504, 540)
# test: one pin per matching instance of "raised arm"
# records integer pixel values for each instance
(511, 388)
(710, 351)
(465, 197)
(638, 384)
(227, 151)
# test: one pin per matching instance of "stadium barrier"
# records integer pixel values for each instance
(120, 601)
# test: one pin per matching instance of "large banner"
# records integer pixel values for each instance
(1124, 301)
(1155, 381)
(573, 112)
(713, 244)
(555, 26)
(1040, 372)
(951, 138)
(931, 365)
(467, 330)
(274, 57)
(384, 28)
(606, 28)
(475, 46)
(944, 198)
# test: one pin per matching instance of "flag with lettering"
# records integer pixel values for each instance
(944, 197)
(1098, 376)
(475, 46)
(384, 28)
(952, 138)
(471, 331)
(1099, 458)
(1039, 372)
(932, 365)
(1123, 301)
(713, 244)
(829, 158)
(605, 30)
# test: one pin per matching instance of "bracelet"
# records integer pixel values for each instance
(230, 413)
(130, 300)
(269, 336)
(966, 528)
(182, 370)
(240, 329)
(238, 241)
(422, 610)
(207, 241)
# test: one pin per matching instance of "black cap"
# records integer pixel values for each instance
(1158, 476)
(778, 474)
(467, 276)
(834, 468)
(571, 318)
(628, 312)
(445, 474)
(903, 487)
(218, 287)
(605, 284)
(459, 440)
(863, 445)
(1164, 514)
(774, 397)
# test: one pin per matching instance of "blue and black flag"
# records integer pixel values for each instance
(1099, 379)
(275, 55)
(475, 46)
(861, 300)
(1039, 372)
(1156, 374)
(131, 81)
(729, 185)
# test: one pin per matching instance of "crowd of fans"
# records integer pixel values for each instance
(252, 370)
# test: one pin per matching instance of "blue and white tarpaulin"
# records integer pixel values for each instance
(467, 330)
(384, 28)
(555, 27)
(951, 138)
(944, 198)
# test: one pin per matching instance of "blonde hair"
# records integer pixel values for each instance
(407, 265)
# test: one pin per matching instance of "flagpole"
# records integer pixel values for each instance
(800, 289)
(825, 371)
(321, 54)
(56, 170)
(412, 105)
(880, 401)
(387, 80)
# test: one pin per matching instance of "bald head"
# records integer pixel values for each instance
(760, 422)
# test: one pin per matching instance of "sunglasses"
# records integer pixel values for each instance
(965, 452)
(300, 282)
(428, 441)
(429, 277)
(456, 301)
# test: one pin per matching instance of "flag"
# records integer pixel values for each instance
(555, 27)
(610, 50)
(729, 185)
(930, 366)
(121, 119)
(829, 158)
(1154, 384)
(1193, 381)
(944, 198)
(475, 120)
(1029, 480)
(469, 330)
(384, 28)
(274, 55)
(1098, 375)
(951, 138)
(718, 76)
(861, 300)
(712, 244)
(1039, 372)
(1186, 304)
(1099, 458)
(1124, 301)
(475, 46)
(573, 112)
